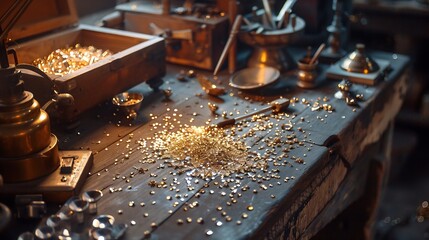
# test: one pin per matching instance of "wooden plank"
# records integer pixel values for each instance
(282, 206)
(118, 176)
(349, 190)
(221, 213)
(104, 178)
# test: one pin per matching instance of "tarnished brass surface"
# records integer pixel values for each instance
(358, 62)
(307, 73)
(269, 46)
(28, 150)
(24, 127)
(32, 166)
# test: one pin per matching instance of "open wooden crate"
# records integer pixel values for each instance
(137, 57)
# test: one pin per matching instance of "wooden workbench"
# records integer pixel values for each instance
(333, 173)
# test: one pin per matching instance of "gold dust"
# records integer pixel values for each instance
(207, 150)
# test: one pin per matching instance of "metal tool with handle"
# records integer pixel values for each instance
(275, 106)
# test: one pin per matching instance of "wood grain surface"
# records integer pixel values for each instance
(292, 200)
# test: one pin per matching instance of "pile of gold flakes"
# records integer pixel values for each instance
(67, 60)
(208, 151)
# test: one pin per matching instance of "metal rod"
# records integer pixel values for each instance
(316, 55)
(6, 14)
(4, 62)
(275, 106)
(15, 18)
(232, 55)
(287, 6)
(232, 35)
(269, 13)
(293, 21)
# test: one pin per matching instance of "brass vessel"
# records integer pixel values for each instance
(28, 150)
(359, 62)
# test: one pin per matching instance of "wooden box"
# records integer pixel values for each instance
(203, 47)
(48, 25)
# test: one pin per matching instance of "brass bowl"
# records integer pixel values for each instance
(128, 102)
(269, 46)
(274, 38)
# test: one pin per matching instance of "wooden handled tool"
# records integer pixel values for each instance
(275, 106)
(316, 55)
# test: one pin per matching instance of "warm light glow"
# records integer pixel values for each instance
(264, 57)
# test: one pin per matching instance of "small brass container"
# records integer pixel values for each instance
(128, 103)
(307, 73)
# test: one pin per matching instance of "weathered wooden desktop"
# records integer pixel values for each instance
(334, 172)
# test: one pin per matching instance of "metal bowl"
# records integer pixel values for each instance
(128, 103)
(254, 77)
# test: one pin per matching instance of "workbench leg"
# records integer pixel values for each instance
(155, 83)
(357, 221)
(377, 180)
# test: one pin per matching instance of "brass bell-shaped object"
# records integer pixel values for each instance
(358, 62)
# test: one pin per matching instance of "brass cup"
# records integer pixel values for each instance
(128, 103)
(307, 73)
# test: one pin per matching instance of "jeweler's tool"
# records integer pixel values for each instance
(317, 53)
(269, 14)
(209, 87)
(285, 9)
(293, 21)
(275, 106)
(232, 35)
